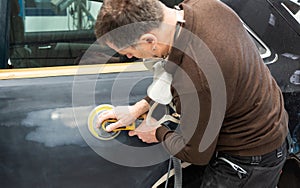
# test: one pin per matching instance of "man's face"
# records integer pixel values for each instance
(141, 50)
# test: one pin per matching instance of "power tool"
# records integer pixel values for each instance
(101, 133)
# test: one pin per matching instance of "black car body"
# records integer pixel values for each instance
(41, 144)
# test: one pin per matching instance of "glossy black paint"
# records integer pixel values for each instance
(41, 146)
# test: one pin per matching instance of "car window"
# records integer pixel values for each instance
(45, 33)
(59, 15)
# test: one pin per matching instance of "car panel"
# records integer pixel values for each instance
(41, 145)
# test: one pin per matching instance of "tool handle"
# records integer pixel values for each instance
(130, 127)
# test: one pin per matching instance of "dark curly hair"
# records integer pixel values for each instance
(142, 15)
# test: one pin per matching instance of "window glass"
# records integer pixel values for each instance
(58, 32)
(59, 15)
(47, 33)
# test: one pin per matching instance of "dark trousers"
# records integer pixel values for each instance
(227, 171)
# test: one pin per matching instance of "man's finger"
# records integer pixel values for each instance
(132, 133)
(104, 116)
(107, 114)
(114, 126)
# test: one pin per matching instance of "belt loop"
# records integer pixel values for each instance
(279, 152)
(255, 160)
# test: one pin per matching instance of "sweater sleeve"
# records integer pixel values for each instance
(148, 99)
(184, 142)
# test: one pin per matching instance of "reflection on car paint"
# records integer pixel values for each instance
(56, 127)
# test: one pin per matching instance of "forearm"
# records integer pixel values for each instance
(187, 151)
(141, 107)
(185, 141)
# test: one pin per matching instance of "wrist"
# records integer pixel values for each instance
(161, 133)
(140, 108)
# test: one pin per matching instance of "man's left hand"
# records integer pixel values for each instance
(145, 132)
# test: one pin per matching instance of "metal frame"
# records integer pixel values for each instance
(4, 30)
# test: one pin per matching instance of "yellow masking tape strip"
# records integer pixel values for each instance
(71, 70)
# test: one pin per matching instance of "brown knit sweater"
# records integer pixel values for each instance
(255, 121)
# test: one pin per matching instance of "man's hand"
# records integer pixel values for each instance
(146, 132)
(124, 114)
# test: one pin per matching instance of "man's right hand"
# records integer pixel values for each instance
(124, 114)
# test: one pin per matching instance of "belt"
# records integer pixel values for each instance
(258, 159)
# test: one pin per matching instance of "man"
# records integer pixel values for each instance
(249, 149)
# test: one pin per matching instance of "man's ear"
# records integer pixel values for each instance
(148, 38)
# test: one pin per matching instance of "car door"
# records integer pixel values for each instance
(46, 101)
